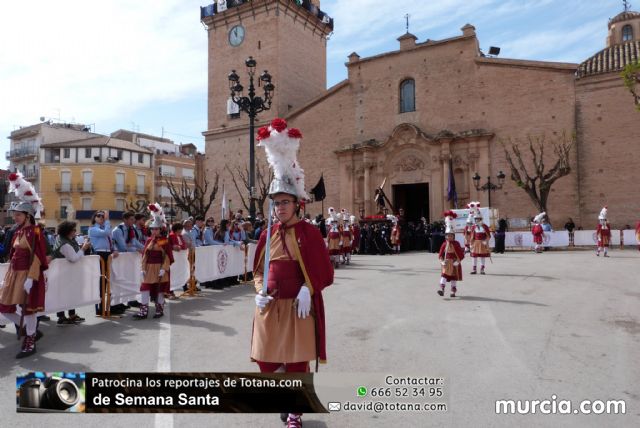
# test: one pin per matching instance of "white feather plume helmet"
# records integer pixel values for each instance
(449, 221)
(539, 217)
(603, 213)
(281, 146)
(26, 194)
(157, 213)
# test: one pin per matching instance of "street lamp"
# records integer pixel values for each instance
(489, 186)
(252, 105)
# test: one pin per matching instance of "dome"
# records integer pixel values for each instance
(624, 16)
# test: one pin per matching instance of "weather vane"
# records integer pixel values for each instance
(407, 18)
(627, 6)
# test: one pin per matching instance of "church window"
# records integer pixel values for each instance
(627, 33)
(407, 96)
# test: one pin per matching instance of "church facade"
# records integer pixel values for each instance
(406, 118)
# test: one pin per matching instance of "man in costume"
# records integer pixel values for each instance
(347, 239)
(24, 283)
(538, 232)
(355, 227)
(468, 229)
(480, 243)
(395, 234)
(157, 258)
(333, 237)
(603, 232)
(288, 325)
(450, 256)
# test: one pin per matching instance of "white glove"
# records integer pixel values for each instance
(161, 273)
(262, 301)
(456, 263)
(28, 283)
(304, 302)
(443, 263)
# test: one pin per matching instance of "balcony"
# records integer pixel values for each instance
(121, 189)
(63, 188)
(31, 175)
(142, 190)
(86, 188)
(21, 153)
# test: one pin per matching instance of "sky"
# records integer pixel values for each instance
(142, 65)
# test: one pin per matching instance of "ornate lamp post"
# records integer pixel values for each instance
(252, 105)
(489, 186)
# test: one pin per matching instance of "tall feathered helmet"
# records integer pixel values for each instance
(449, 222)
(392, 218)
(157, 213)
(471, 213)
(352, 219)
(474, 207)
(28, 200)
(538, 219)
(603, 214)
(332, 213)
(281, 146)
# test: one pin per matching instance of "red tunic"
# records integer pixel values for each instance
(453, 252)
(478, 246)
(333, 242)
(604, 235)
(347, 237)
(177, 240)
(25, 262)
(468, 232)
(157, 254)
(537, 234)
(316, 269)
(395, 235)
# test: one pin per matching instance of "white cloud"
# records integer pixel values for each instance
(95, 61)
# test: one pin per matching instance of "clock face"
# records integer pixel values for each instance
(236, 35)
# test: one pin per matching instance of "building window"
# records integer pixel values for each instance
(120, 155)
(140, 158)
(86, 204)
(66, 153)
(119, 204)
(87, 153)
(187, 172)
(167, 171)
(407, 96)
(627, 33)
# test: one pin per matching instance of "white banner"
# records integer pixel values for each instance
(125, 277)
(218, 261)
(251, 256)
(589, 238)
(524, 239)
(180, 269)
(629, 237)
(69, 285)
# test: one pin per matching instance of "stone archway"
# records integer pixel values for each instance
(410, 156)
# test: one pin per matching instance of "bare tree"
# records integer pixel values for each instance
(194, 200)
(240, 178)
(537, 183)
(631, 78)
(138, 207)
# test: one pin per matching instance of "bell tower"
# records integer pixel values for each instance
(286, 37)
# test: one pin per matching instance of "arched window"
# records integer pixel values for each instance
(407, 96)
(627, 33)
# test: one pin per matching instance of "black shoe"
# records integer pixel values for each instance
(140, 317)
(44, 318)
(440, 292)
(160, 315)
(482, 272)
(2, 326)
(452, 295)
(117, 310)
(284, 417)
(23, 354)
(134, 304)
(65, 321)
(473, 272)
(77, 319)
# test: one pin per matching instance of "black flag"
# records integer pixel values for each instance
(318, 192)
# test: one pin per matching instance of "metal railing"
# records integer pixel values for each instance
(63, 187)
(86, 188)
(142, 190)
(18, 153)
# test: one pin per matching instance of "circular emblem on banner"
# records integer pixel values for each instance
(223, 259)
(518, 239)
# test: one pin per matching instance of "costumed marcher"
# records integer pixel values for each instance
(157, 258)
(347, 239)
(333, 237)
(468, 228)
(355, 227)
(538, 232)
(395, 234)
(480, 243)
(450, 256)
(603, 232)
(638, 235)
(24, 283)
(289, 321)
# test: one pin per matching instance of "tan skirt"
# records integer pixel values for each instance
(279, 336)
(12, 291)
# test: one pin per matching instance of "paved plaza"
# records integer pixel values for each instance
(537, 325)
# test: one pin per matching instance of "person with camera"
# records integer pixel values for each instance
(24, 283)
(157, 258)
(66, 247)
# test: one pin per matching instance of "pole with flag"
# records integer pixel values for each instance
(452, 195)
(225, 208)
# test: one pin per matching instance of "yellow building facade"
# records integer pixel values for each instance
(103, 173)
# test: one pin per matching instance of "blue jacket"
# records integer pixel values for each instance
(119, 236)
(101, 237)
